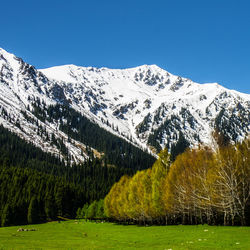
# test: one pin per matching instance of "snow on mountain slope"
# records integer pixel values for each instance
(20, 85)
(146, 105)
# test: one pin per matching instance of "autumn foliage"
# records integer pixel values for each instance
(200, 186)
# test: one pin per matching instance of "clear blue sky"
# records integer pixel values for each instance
(204, 40)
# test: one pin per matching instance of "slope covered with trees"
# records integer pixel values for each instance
(37, 186)
(116, 150)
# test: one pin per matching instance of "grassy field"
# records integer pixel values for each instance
(87, 235)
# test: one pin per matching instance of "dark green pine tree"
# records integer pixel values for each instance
(33, 211)
(6, 216)
(59, 199)
(49, 208)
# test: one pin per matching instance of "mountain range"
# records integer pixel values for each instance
(65, 110)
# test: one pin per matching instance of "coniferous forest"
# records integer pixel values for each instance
(37, 186)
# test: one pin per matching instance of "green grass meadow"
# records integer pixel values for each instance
(91, 235)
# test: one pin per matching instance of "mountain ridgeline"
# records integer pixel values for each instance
(67, 110)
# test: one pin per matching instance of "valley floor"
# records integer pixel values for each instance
(91, 235)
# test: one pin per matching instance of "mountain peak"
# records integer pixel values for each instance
(3, 51)
(149, 66)
(6, 53)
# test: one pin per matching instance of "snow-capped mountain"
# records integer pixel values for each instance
(147, 101)
(146, 105)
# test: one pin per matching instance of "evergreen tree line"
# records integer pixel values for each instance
(200, 186)
(36, 186)
(29, 196)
